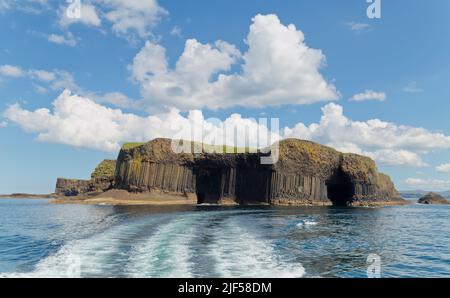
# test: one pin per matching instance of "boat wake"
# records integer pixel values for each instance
(194, 244)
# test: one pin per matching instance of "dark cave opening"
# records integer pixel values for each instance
(340, 189)
(209, 187)
(200, 197)
(253, 186)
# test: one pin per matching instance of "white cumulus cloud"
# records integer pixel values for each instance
(432, 184)
(127, 18)
(67, 39)
(88, 16)
(369, 95)
(42, 75)
(278, 68)
(80, 121)
(397, 157)
(132, 16)
(11, 71)
(59, 80)
(388, 143)
(443, 168)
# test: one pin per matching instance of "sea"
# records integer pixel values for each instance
(40, 239)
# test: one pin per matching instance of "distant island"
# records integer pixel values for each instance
(28, 196)
(433, 198)
(415, 194)
(306, 173)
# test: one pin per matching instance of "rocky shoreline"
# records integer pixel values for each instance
(123, 198)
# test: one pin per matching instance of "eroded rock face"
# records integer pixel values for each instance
(433, 198)
(72, 187)
(305, 174)
(102, 179)
(154, 166)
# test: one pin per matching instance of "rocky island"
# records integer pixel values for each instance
(306, 173)
(433, 198)
(102, 179)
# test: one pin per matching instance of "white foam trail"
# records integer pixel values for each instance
(166, 253)
(132, 249)
(239, 253)
(100, 255)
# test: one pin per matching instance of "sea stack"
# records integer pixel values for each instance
(433, 198)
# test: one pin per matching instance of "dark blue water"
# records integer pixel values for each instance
(39, 239)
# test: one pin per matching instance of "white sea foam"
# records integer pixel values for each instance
(97, 256)
(240, 253)
(166, 253)
(168, 248)
(306, 222)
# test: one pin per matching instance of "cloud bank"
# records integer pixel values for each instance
(81, 122)
(431, 184)
(386, 142)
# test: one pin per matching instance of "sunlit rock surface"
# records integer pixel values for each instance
(305, 174)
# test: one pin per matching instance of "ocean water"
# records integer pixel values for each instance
(38, 239)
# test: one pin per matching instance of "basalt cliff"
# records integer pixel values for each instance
(305, 173)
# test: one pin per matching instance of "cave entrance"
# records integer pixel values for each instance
(209, 186)
(340, 189)
(200, 198)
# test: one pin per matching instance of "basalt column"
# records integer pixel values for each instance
(253, 186)
(209, 187)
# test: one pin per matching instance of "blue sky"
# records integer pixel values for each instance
(117, 59)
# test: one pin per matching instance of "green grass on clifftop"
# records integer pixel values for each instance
(128, 146)
(105, 169)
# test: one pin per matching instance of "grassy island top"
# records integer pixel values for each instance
(105, 169)
(199, 147)
(131, 145)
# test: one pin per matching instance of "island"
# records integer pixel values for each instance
(433, 198)
(305, 174)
